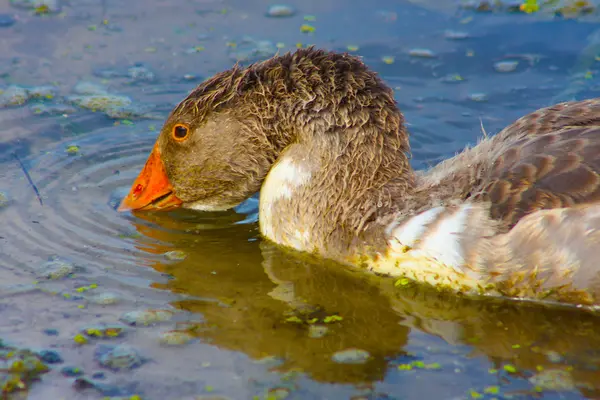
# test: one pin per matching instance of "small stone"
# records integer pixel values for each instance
(43, 92)
(455, 35)
(55, 270)
(317, 331)
(140, 73)
(281, 11)
(506, 66)
(146, 317)
(71, 371)
(105, 299)
(4, 200)
(118, 358)
(554, 357)
(554, 380)
(422, 53)
(7, 20)
(278, 393)
(351, 356)
(478, 97)
(175, 338)
(175, 255)
(250, 50)
(89, 88)
(39, 6)
(52, 109)
(51, 332)
(99, 375)
(13, 96)
(50, 357)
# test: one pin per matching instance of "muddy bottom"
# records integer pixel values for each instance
(188, 305)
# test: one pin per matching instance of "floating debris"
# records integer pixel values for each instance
(351, 356)
(104, 331)
(118, 358)
(278, 393)
(306, 28)
(38, 6)
(72, 149)
(388, 59)
(506, 66)
(421, 53)
(18, 369)
(281, 11)
(146, 317)
(52, 109)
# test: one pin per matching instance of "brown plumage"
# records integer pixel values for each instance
(321, 136)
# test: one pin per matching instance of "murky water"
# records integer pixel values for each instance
(259, 320)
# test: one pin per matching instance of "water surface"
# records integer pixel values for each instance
(257, 311)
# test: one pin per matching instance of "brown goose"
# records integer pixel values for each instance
(321, 137)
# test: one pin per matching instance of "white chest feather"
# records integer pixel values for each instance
(283, 180)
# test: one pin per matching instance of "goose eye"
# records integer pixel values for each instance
(180, 132)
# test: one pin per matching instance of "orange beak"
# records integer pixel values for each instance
(151, 189)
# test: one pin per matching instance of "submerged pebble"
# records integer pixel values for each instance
(140, 73)
(250, 50)
(118, 358)
(506, 66)
(553, 379)
(146, 317)
(175, 255)
(43, 92)
(89, 88)
(14, 96)
(18, 369)
(40, 6)
(52, 109)
(71, 371)
(104, 331)
(455, 35)
(4, 200)
(55, 269)
(478, 97)
(278, 393)
(175, 338)
(317, 331)
(281, 10)
(7, 20)
(50, 356)
(351, 356)
(422, 53)
(105, 299)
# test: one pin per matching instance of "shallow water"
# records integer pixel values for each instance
(256, 313)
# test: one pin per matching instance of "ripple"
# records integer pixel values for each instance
(78, 219)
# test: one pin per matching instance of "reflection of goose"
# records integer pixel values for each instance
(320, 135)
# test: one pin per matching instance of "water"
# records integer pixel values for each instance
(254, 309)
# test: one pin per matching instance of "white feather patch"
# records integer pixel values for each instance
(440, 241)
(407, 234)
